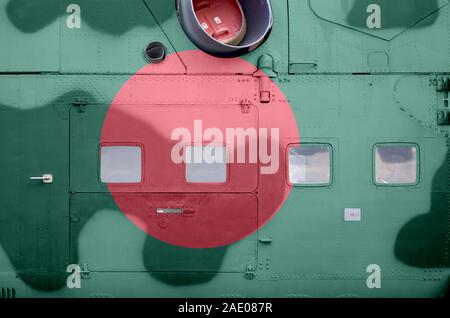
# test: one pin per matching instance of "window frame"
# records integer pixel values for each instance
(396, 185)
(317, 185)
(121, 144)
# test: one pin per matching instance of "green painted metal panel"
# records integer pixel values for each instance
(395, 16)
(85, 132)
(291, 262)
(106, 240)
(34, 216)
(308, 249)
(30, 43)
(111, 39)
(387, 224)
(328, 45)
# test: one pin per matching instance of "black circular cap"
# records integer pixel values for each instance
(155, 52)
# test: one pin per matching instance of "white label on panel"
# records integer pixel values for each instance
(352, 215)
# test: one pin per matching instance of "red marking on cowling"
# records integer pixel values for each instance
(145, 112)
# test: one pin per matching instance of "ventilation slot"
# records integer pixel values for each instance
(7, 293)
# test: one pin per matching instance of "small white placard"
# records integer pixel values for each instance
(352, 215)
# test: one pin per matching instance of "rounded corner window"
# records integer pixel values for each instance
(310, 165)
(396, 164)
(206, 164)
(121, 164)
(226, 28)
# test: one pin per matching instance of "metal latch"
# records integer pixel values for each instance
(85, 272)
(443, 84)
(443, 111)
(265, 73)
(250, 272)
(265, 85)
(266, 240)
(80, 105)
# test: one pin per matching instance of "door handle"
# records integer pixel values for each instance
(46, 178)
(169, 210)
(185, 211)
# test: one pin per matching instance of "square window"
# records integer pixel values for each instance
(310, 164)
(121, 164)
(396, 164)
(206, 164)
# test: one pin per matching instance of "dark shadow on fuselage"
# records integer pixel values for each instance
(31, 16)
(424, 240)
(165, 266)
(172, 265)
(46, 270)
(114, 17)
(446, 294)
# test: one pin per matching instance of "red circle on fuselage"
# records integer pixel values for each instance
(147, 111)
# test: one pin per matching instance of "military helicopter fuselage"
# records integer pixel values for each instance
(293, 148)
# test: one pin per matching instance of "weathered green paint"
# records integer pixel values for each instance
(307, 249)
